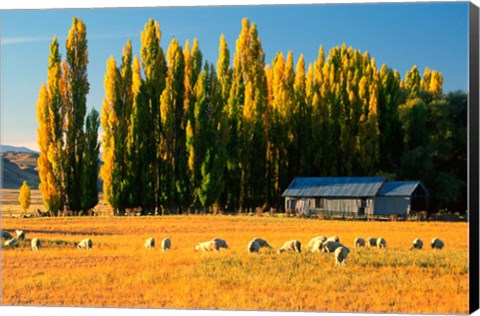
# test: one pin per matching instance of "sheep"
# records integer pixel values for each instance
(341, 254)
(314, 240)
(359, 242)
(220, 243)
(166, 244)
(11, 243)
(334, 238)
(262, 243)
(317, 245)
(253, 246)
(417, 244)
(330, 246)
(256, 243)
(206, 246)
(150, 243)
(20, 234)
(371, 242)
(292, 245)
(6, 234)
(437, 243)
(85, 244)
(36, 244)
(381, 243)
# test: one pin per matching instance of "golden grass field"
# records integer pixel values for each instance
(120, 272)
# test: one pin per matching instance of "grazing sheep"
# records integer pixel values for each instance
(20, 234)
(207, 246)
(314, 240)
(6, 234)
(166, 244)
(359, 242)
(11, 243)
(417, 244)
(150, 243)
(292, 245)
(437, 243)
(330, 246)
(220, 243)
(317, 245)
(35, 244)
(371, 242)
(334, 238)
(262, 243)
(381, 243)
(341, 254)
(85, 244)
(253, 246)
(256, 243)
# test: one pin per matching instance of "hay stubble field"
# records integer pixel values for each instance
(120, 272)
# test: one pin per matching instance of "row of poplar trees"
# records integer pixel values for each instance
(68, 162)
(180, 134)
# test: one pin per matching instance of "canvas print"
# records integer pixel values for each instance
(304, 158)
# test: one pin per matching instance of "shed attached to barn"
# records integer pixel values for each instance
(355, 196)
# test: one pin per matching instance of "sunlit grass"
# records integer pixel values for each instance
(119, 271)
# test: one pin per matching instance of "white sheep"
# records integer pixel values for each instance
(150, 243)
(166, 244)
(291, 245)
(359, 242)
(6, 234)
(334, 238)
(36, 244)
(11, 243)
(417, 244)
(317, 245)
(85, 244)
(20, 234)
(220, 243)
(330, 246)
(381, 243)
(206, 246)
(341, 254)
(314, 241)
(371, 242)
(437, 243)
(253, 246)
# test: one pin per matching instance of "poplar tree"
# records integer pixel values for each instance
(172, 147)
(91, 162)
(50, 140)
(24, 196)
(249, 64)
(110, 171)
(76, 107)
(154, 68)
(137, 144)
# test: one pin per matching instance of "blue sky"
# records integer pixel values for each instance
(401, 35)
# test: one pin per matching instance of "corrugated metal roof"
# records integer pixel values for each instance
(334, 187)
(400, 188)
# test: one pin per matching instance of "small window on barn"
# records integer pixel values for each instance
(318, 202)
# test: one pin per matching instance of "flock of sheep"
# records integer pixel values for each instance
(317, 244)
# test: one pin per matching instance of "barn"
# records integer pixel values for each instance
(355, 196)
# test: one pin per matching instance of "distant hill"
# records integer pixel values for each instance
(18, 167)
(5, 148)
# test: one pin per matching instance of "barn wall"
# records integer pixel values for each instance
(346, 205)
(389, 205)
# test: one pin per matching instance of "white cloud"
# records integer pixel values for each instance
(23, 40)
